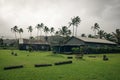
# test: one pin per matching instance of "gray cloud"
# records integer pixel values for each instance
(57, 13)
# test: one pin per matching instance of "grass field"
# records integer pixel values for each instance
(85, 69)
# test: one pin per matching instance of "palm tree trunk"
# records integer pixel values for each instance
(40, 33)
(20, 35)
(37, 34)
(73, 30)
(15, 36)
(30, 34)
(95, 33)
(76, 31)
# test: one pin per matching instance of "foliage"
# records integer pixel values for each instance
(75, 50)
(30, 29)
(75, 22)
(103, 50)
(64, 31)
(83, 35)
(1, 42)
(39, 28)
(95, 28)
(15, 30)
(117, 35)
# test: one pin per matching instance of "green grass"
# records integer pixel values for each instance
(86, 69)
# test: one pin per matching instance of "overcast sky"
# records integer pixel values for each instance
(57, 13)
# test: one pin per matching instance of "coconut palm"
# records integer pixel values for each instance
(52, 30)
(72, 23)
(75, 22)
(117, 35)
(95, 28)
(39, 28)
(64, 31)
(101, 33)
(57, 33)
(83, 35)
(90, 36)
(30, 29)
(68, 32)
(20, 31)
(15, 30)
(46, 30)
(109, 37)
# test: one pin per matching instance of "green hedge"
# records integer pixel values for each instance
(102, 50)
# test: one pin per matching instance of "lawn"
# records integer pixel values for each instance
(82, 69)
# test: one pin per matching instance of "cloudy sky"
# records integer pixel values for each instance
(57, 13)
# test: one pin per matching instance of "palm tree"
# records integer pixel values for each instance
(101, 34)
(64, 31)
(95, 27)
(117, 35)
(83, 35)
(52, 30)
(57, 33)
(30, 29)
(72, 23)
(15, 30)
(46, 30)
(39, 28)
(75, 22)
(68, 32)
(90, 36)
(20, 31)
(109, 36)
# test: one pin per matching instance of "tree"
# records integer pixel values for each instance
(57, 33)
(83, 35)
(95, 28)
(20, 31)
(64, 31)
(52, 30)
(15, 30)
(101, 33)
(72, 23)
(90, 36)
(75, 22)
(109, 36)
(46, 30)
(30, 29)
(39, 28)
(69, 32)
(117, 35)
(1, 42)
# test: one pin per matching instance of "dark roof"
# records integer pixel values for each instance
(87, 40)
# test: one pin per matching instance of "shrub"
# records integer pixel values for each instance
(75, 50)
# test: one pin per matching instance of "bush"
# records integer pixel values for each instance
(103, 50)
(75, 50)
